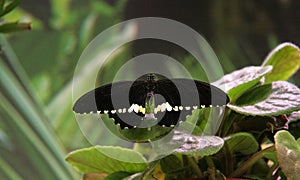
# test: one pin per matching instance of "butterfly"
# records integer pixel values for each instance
(150, 96)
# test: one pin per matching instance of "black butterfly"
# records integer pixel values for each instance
(177, 97)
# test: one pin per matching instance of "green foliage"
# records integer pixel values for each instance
(22, 113)
(7, 27)
(259, 102)
(37, 126)
(197, 145)
(239, 81)
(98, 159)
(272, 99)
(288, 153)
(285, 60)
(242, 142)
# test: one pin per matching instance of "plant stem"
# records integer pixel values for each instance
(195, 166)
(209, 162)
(247, 164)
(148, 170)
(226, 122)
(228, 159)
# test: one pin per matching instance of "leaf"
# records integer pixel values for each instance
(14, 27)
(285, 59)
(28, 128)
(288, 153)
(241, 80)
(40, 43)
(273, 99)
(197, 145)
(272, 156)
(102, 159)
(170, 164)
(294, 116)
(244, 143)
(9, 7)
(8, 172)
(5, 141)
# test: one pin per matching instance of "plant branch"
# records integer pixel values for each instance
(195, 166)
(248, 163)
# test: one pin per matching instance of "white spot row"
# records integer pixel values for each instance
(160, 108)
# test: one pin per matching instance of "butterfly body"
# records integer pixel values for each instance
(171, 100)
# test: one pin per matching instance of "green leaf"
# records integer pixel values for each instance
(197, 145)
(34, 139)
(5, 141)
(2, 2)
(9, 7)
(170, 164)
(288, 153)
(244, 143)
(8, 172)
(285, 59)
(101, 159)
(273, 99)
(272, 156)
(14, 27)
(239, 81)
(40, 43)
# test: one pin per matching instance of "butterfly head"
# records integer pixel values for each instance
(151, 82)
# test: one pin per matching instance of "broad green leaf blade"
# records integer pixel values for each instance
(170, 164)
(241, 80)
(273, 99)
(288, 153)
(244, 143)
(197, 145)
(101, 159)
(285, 59)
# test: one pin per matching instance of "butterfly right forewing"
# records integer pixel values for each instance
(188, 94)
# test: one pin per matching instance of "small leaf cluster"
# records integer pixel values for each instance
(7, 27)
(255, 138)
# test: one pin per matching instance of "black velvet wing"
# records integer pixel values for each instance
(114, 96)
(188, 94)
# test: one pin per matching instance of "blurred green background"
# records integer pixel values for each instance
(37, 125)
